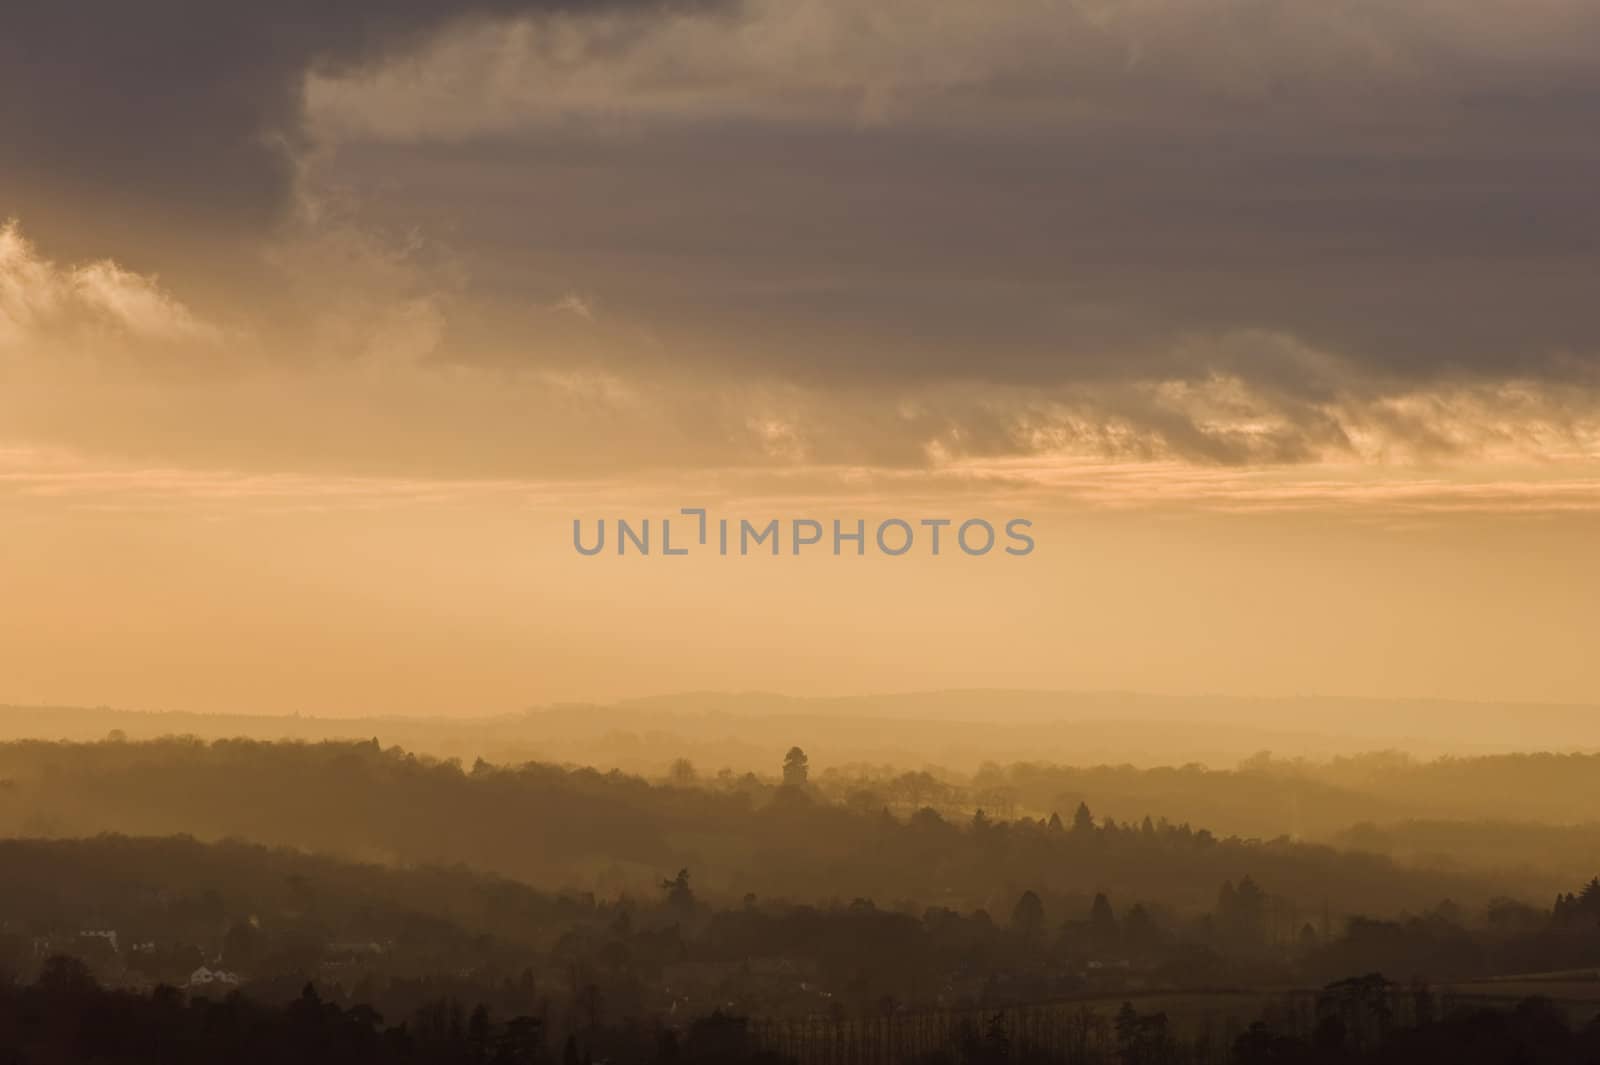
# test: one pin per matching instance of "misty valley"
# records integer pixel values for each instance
(183, 899)
(1135, 602)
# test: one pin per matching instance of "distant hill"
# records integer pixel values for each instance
(609, 832)
(960, 730)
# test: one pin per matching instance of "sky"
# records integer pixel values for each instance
(320, 326)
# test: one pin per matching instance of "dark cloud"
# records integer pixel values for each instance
(909, 254)
(1221, 230)
(1041, 194)
(191, 108)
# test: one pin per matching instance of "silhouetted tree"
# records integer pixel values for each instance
(1027, 917)
(679, 896)
(796, 768)
(1103, 932)
(1242, 912)
(1139, 932)
(1142, 1038)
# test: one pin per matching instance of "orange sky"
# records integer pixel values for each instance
(1280, 330)
(467, 597)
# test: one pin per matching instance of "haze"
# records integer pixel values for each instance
(1280, 328)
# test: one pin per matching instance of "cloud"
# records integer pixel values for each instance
(191, 107)
(574, 304)
(43, 304)
(1029, 191)
(909, 235)
(1363, 68)
(35, 478)
(379, 383)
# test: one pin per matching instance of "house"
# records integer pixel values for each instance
(208, 979)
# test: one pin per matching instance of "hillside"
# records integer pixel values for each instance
(609, 832)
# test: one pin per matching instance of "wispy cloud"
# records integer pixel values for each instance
(43, 303)
(31, 477)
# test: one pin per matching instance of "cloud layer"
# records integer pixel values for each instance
(1034, 194)
(539, 237)
(188, 106)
